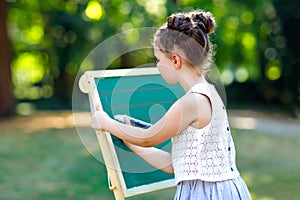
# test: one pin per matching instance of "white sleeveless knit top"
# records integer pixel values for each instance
(208, 153)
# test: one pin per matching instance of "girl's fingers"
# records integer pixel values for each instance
(127, 119)
(97, 107)
(95, 123)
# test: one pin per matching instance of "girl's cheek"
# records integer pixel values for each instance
(161, 70)
(164, 72)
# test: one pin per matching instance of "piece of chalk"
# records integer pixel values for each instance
(133, 121)
(120, 118)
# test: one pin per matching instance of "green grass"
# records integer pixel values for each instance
(269, 164)
(53, 164)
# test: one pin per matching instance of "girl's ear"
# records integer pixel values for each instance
(176, 59)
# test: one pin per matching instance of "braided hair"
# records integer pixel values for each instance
(188, 33)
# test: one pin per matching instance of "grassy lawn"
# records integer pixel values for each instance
(53, 164)
(269, 164)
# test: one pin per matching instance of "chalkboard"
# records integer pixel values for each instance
(140, 93)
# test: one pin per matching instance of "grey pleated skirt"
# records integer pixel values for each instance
(234, 189)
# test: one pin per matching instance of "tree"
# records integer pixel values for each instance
(289, 16)
(49, 40)
(6, 98)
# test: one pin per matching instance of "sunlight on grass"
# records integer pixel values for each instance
(243, 122)
(45, 120)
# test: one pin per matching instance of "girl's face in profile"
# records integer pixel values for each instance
(165, 66)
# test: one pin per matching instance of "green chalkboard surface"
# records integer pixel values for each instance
(145, 97)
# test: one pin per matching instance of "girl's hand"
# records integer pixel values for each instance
(127, 121)
(101, 120)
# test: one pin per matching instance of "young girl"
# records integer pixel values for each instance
(203, 153)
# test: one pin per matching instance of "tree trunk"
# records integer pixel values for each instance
(6, 98)
(289, 16)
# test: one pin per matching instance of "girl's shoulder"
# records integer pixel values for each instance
(202, 88)
(199, 93)
(197, 105)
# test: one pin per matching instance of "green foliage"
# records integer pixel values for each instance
(50, 39)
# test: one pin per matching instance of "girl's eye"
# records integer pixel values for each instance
(157, 61)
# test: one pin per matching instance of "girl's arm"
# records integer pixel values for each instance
(156, 157)
(185, 111)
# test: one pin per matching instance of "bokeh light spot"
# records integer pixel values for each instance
(125, 7)
(232, 22)
(270, 53)
(247, 17)
(24, 108)
(154, 7)
(219, 2)
(241, 75)
(34, 34)
(248, 40)
(46, 91)
(33, 93)
(132, 36)
(27, 69)
(273, 72)
(227, 77)
(94, 10)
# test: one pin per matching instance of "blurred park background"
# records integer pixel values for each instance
(43, 44)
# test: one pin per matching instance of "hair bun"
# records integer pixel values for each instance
(204, 21)
(179, 22)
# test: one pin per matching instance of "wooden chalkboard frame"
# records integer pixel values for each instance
(87, 84)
